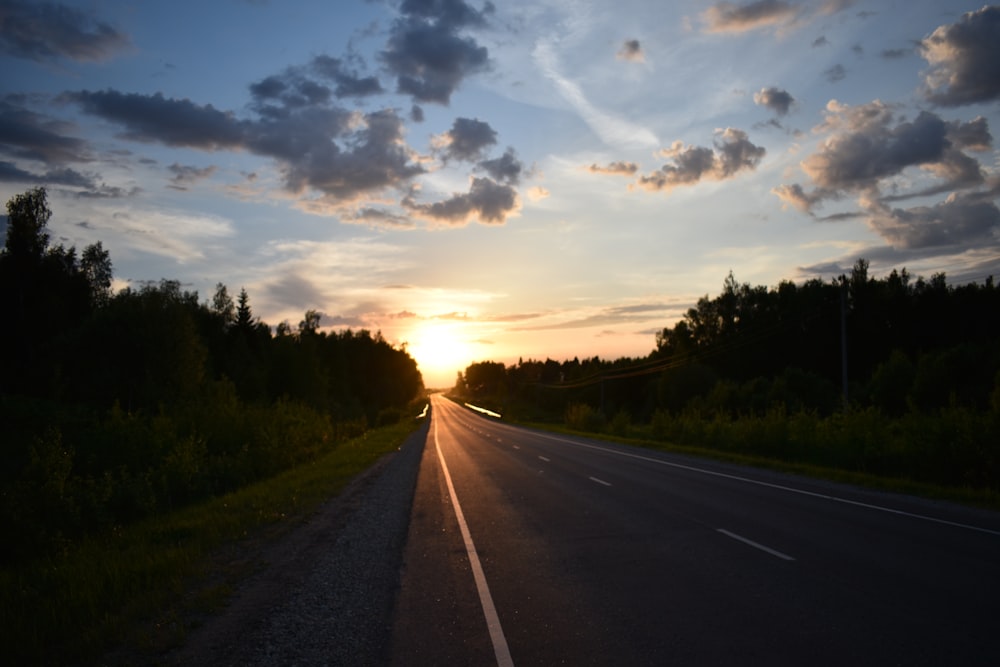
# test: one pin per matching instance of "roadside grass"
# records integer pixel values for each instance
(978, 497)
(129, 588)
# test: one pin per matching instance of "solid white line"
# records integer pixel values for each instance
(756, 545)
(780, 487)
(500, 649)
(600, 481)
(544, 459)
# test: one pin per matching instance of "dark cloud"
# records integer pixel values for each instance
(504, 169)
(349, 83)
(775, 99)
(378, 218)
(375, 157)
(835, 73)
(186, 175)
(733, 153)
(44, 31)
(453, 13)
(961, 221)
(467, 139)
(974, 135)
(11, 173)
(870, 148)
(293, 291)
(416, 114)
(155, 118)
(820, 41)
(31, 136)
(427, 53)
(631, 51)
(338, 152)
(617, 167)
(964, 59)
(730, 17)
(487, 201)
(895, 54)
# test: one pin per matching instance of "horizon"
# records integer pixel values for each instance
(533, 180)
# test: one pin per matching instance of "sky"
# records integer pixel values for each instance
(510, 179)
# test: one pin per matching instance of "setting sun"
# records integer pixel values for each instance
(440, 351)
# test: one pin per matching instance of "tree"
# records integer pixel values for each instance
(310, 323)
(27, 217)
(95, 263)
(223, 306)
(245, 320)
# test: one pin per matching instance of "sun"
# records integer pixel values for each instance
(440, 351)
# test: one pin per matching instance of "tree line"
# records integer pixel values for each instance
(119, 405)
(894, 375)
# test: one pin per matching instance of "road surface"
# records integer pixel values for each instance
(574, 551)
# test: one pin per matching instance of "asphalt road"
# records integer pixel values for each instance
(583, 552)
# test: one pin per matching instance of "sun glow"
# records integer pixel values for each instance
(440, 351)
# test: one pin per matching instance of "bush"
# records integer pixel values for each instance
(621, 424)
(582, 417)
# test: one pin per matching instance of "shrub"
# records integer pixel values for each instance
(582, 417)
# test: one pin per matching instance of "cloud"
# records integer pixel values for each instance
(426, 53)
(342, 154)
(487, 201)
(961, 221)
(866, 154)
(729, 17)
(868, 145)
(504, 169)
(377, 218)
(44, 31)
(155, 118)
(31, 136)
(964, 59)
(467, 139)
(612, 130)
(631, 51)
(613, 315)
(617, 168)
(187, 175)
(895, 54)
(775, 99)
(348, 83)
(11, 173)
(733, 153)
(294, 291)
(835, 73)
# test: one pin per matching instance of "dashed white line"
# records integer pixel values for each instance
(544, 459)
(756, 545)
(600, 481)
(779, 487)
(500, 648)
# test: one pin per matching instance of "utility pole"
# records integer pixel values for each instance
(843, 341)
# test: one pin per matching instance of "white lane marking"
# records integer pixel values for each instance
(600, 481)
(780, 487)
(517, 447)
(755, 545)
(544, 459)
(500, 649)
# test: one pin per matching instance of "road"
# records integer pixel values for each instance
(575, 551)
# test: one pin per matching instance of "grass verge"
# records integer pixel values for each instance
(120, 589)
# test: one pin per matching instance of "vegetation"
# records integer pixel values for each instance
(760, 372)
(135, 588)
(121, 407)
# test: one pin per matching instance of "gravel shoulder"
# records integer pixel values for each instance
(321, 594)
